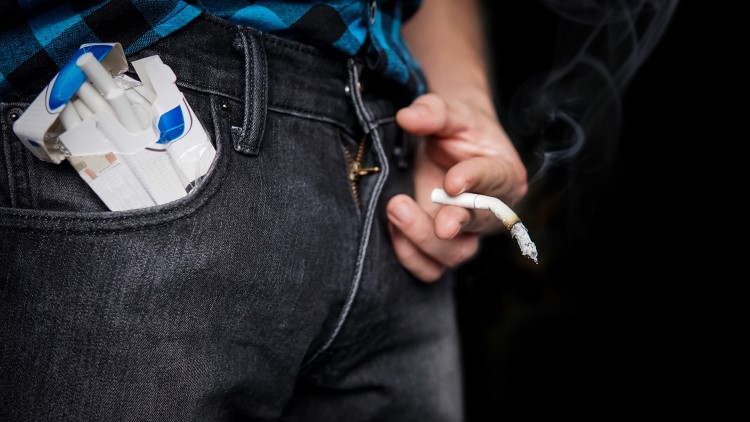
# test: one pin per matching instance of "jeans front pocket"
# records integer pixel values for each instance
(29, 183)
(116, 314)
(36, 195)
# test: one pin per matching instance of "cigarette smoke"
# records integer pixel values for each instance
(573, 112)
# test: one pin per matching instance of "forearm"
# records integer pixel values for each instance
(446, 37)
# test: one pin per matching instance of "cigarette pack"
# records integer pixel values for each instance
(137, 143)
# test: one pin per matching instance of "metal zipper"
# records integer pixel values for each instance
(355, 168)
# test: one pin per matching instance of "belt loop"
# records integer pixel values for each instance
(247, 139)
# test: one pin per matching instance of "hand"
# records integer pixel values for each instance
(465, 150)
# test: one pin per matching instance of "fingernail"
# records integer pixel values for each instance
(401, 213)
(463, 187)
(459, 226)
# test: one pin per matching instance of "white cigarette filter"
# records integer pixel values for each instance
(96, 73)
(114, 95)
(82, 109)
(69, 117)
(503, 212)
(93, 99)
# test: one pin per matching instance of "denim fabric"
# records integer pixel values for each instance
(269, 293)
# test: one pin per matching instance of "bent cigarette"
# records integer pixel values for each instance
(503, 212)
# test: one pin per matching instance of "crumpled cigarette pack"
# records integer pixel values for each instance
(137, 143)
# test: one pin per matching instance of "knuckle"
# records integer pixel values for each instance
(406, 255)
(421, 237)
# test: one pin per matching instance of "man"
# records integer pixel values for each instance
(286, 285)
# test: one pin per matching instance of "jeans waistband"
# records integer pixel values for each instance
(266, 72)
(246, 65)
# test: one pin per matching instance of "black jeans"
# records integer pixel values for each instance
(270, 293)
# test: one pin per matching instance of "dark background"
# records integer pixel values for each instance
(616, 317)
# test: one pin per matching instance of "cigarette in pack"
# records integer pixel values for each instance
(137, 143)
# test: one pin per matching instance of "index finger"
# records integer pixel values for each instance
(489, 175)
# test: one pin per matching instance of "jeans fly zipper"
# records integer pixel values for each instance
(356, 170)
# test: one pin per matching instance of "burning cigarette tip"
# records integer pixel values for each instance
(483, 202)
(521, 234)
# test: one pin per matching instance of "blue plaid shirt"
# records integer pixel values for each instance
(38, 36)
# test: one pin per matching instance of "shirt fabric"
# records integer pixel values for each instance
(38, 34)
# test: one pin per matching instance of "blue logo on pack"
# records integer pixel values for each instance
(71, 77)
(171, 126)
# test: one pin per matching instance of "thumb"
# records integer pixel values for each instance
(429, 114)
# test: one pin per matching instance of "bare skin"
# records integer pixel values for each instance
(465, 148)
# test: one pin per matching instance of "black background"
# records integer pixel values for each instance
(616, 317)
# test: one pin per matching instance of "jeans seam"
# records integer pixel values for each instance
(212, 91)
(11, 165)
(384, 121)
(369, 215)
(27, 175)
(9, 173)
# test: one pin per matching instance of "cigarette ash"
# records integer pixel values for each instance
(521, 234)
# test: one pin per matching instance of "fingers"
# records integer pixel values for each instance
(451, 222)
(418, 247)
(429, 114)
(490, 175)
(415, 261)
